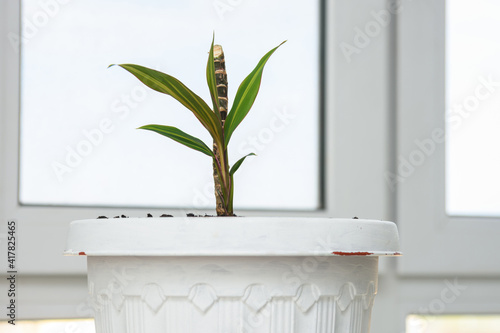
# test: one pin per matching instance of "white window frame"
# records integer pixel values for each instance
(434, 244)
(354, 165)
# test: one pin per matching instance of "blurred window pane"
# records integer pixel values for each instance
(452, 324)
(49, 326)
(473, 104)
(79, 143)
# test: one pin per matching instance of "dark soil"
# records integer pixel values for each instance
(162, 215)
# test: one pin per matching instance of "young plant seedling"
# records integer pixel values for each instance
(218, 122)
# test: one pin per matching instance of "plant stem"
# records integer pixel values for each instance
(222, 181)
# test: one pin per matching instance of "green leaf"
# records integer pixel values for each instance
(212, 83)
(245, 97)
(237, 165)
(169, 85)
(181, 137)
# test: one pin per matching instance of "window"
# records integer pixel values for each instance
(448, 269)
(79, 145)
(452, 323)
(422, 150)
(473, 101)
(50, 326)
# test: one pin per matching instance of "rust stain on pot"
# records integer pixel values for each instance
(81, 254)
(341, 253)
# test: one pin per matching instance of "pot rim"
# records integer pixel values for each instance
(232, 236)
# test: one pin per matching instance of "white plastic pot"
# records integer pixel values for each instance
(229, 275)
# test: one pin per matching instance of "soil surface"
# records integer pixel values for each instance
(162, 215)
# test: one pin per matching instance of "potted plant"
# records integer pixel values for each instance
(228, 274)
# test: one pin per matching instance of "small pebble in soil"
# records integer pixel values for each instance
(102, 217)
(123, 216)
(116, 217)
(166, 215)
(149, 215)
(355, 218)
(190, 215)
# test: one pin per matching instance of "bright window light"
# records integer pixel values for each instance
(453, 324)
(473, 104)
(49, 326)
(79, 143)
